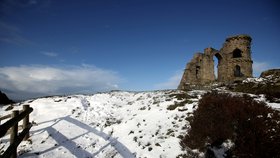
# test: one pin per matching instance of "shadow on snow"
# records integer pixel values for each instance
(72, 146)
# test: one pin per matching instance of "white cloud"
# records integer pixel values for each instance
(34, 81)
(172, 82)
(259, 67)
(12, 35)
(50, 54)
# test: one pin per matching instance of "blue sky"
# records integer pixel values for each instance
(62, 47)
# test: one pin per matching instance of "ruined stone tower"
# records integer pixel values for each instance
(234, 63)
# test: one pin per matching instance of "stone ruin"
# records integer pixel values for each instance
(234, 64)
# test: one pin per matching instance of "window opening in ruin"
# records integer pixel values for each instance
(237, 71)
(237, 53)
(197, 71)
(217, 60)
(216, 67)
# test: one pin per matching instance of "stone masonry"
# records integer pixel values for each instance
(234, 63)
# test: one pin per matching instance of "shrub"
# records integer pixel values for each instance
(178, 104)
(252, 126)
(183, 99)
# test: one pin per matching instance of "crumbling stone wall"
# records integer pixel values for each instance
(234, 63)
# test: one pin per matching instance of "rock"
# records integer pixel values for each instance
(4, 100)
(9, 108)
(274, 72)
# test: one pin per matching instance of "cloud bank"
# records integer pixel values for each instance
(33, 81)
(172, 82)
(49, 54)
(259, 67)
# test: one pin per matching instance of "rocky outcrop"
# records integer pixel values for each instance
(268, 84)
(274, 72)
(4, 100)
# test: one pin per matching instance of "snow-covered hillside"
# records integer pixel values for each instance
(115, 124)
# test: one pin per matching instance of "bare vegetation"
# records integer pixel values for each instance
(253, 127)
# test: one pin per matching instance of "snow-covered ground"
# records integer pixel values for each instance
(115, 124)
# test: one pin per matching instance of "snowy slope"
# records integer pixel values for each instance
(115, 124)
